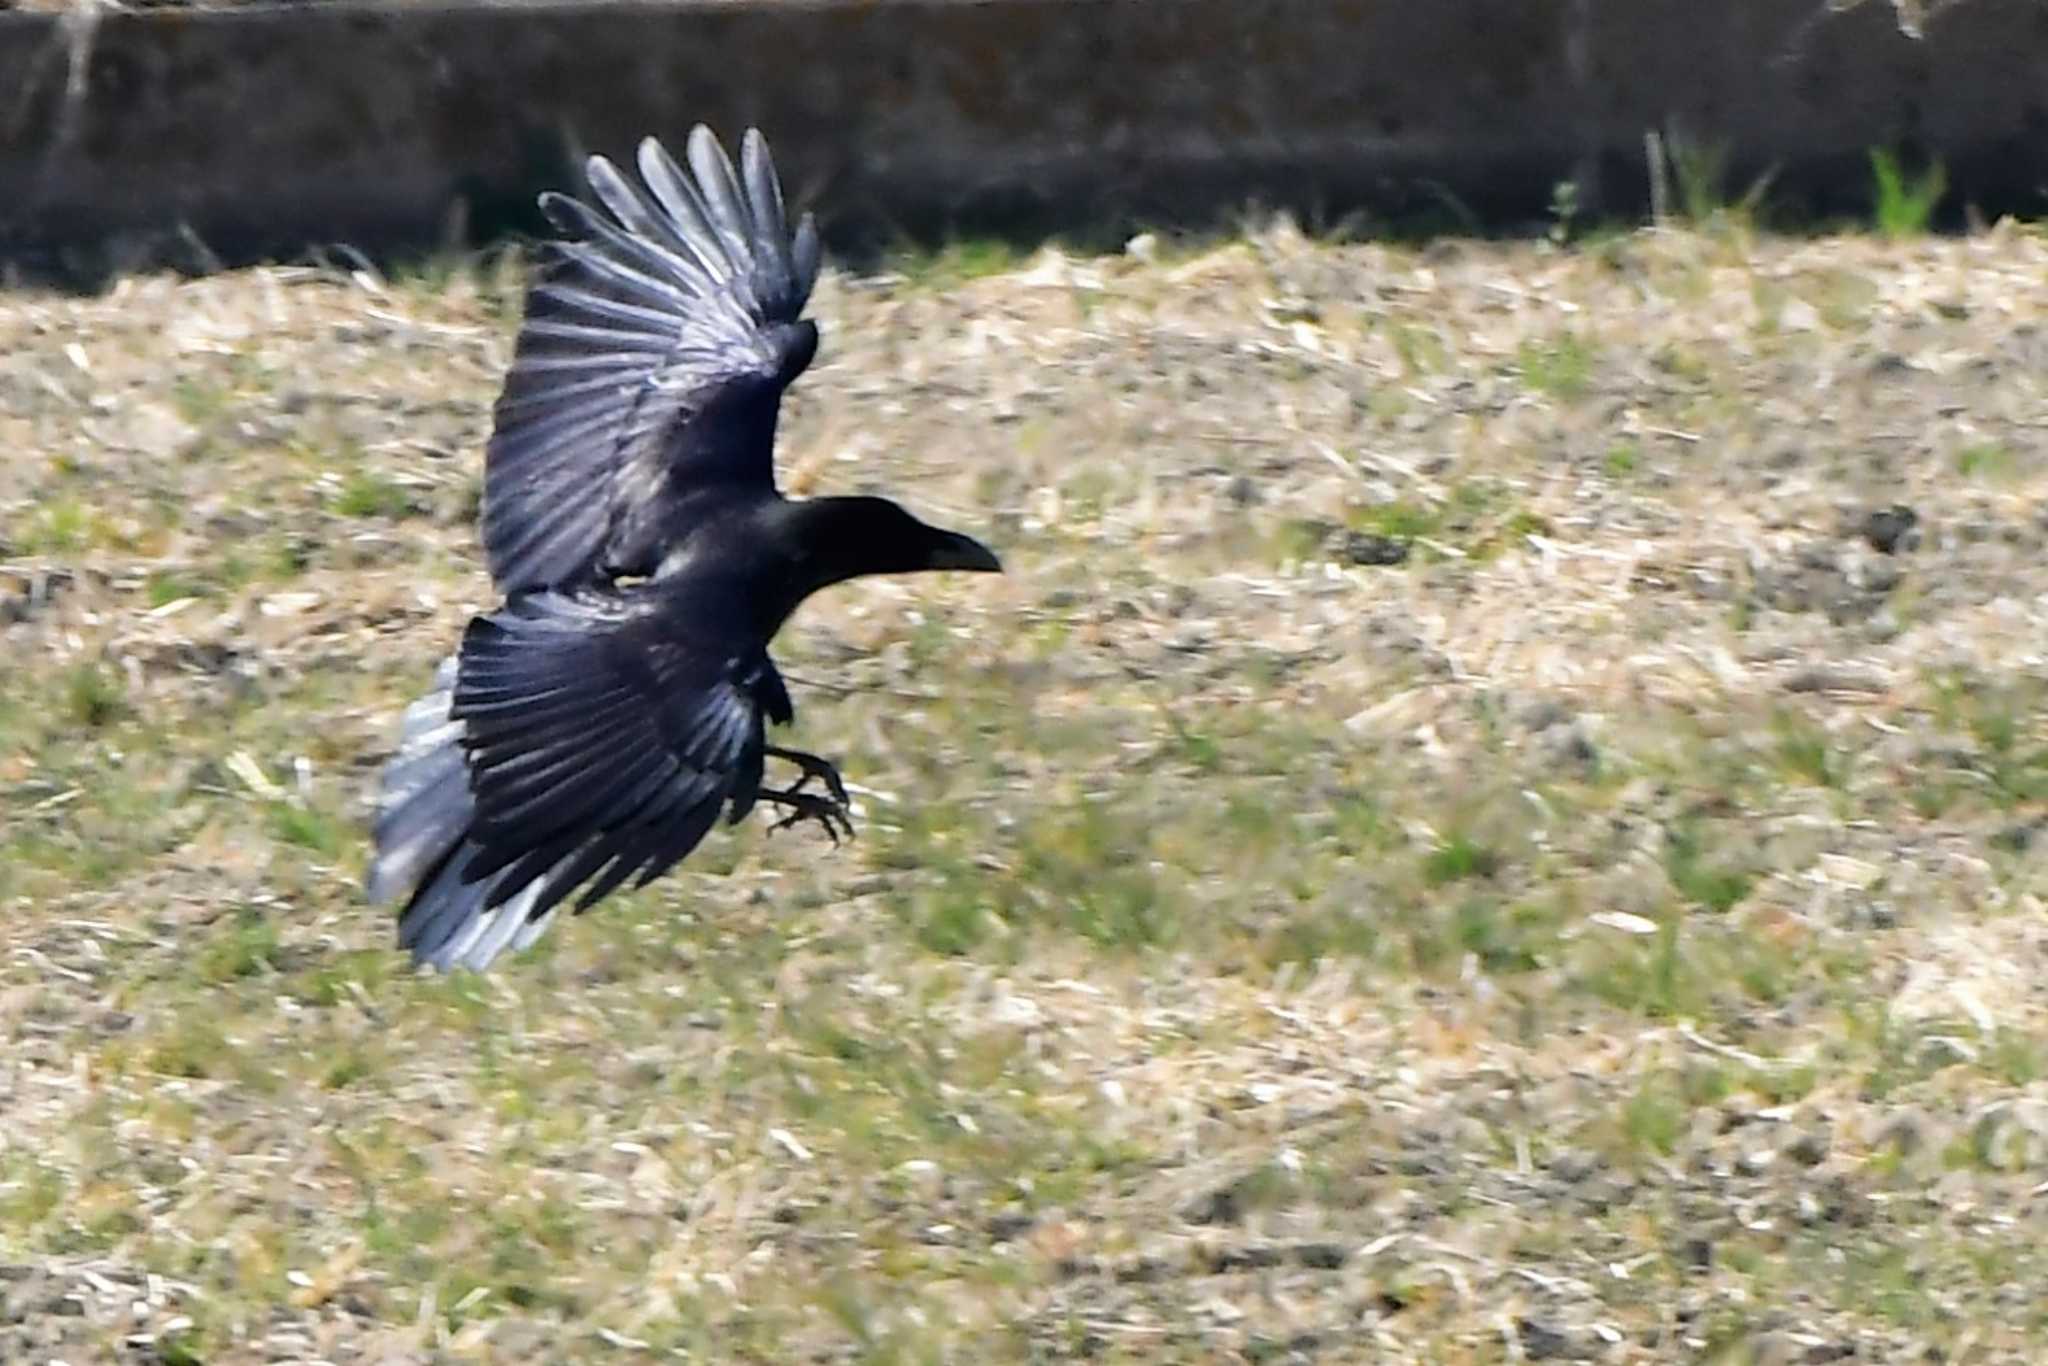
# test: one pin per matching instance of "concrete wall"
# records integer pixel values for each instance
(139, 135)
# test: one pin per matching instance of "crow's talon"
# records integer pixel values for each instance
(813, 767)
(809, 806)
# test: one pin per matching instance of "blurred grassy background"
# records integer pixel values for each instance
(1458, 838)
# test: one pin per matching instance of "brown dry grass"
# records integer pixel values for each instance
(1610, 932)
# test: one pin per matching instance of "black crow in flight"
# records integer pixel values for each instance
(591, 731)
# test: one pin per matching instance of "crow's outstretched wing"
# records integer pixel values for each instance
(657, 343)
(600, 742)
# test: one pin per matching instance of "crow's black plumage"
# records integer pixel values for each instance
(592, 730)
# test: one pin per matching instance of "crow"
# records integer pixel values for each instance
(591, 731)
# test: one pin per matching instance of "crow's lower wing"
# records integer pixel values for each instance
(657, 343)
(600, 745)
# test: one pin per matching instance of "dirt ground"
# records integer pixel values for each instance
(1493, 817)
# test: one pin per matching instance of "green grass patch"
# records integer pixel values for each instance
(1902, 202)
(957, 262)
(1459, 859)
(308, 827)
(1402, 520)
(60, 526)
(94, 697)
(1988, 460)
(1710, 883)
(244, 947)
(367, 494)
(1561, 367)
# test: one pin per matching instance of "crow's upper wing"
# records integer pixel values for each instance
(601, 741)
(656, 347)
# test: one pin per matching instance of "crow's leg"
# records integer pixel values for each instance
(829, 811)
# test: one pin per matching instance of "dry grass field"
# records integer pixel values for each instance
(1469, 832)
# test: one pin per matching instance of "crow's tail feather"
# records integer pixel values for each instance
(424, 814)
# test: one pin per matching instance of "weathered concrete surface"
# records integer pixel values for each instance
(262, 130)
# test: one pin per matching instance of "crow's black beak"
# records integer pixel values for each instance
(955, 551)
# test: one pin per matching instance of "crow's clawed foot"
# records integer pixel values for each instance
(832, 809)
(829, 812)
(813, 767)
